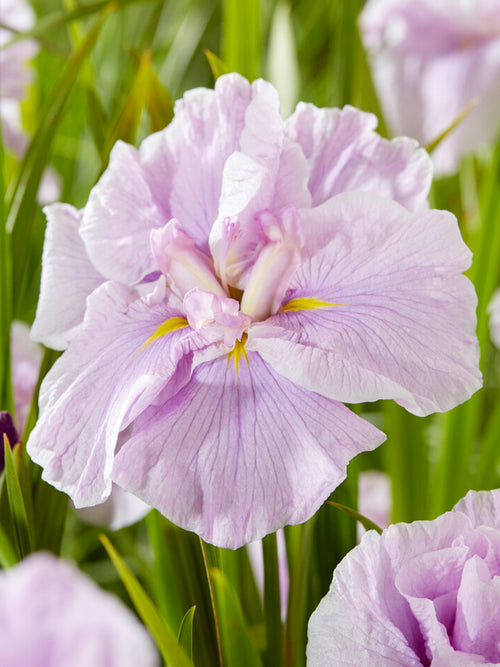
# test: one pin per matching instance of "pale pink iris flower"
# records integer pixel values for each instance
(430, 60)
(425, 593)
(53, 615)
(226, 287)
(15, 75)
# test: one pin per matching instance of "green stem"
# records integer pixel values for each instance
(272, 602)
(407, 462)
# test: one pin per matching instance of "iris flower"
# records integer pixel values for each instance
(52, 614)
(431, 61)
(226, 287)
(420, 594)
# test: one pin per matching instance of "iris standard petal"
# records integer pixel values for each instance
(345, 153)
(240, 451)
(120, 248)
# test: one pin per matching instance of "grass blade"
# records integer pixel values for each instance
(237, 646)
(17, 502)
(241, 40)
(165, 640)
(185, 637)
(363, 520)
(22, 211)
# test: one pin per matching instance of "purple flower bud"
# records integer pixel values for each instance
(8, 430)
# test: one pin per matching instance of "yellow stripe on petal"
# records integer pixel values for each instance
(166, 327)
(237, 352)
(307, 303)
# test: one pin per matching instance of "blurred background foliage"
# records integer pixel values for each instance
(111, 70)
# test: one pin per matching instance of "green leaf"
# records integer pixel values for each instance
(237, 646)
(129, 114)
(7, 552)
(6, 396)
(241, 39)
(17, 502)
(160, 105)
(59, 18)
(185, 637)
(272, 602)
(22, 211)
(363, 520)
(166, 591)
(431, 147)
(51, 508)
(163, 636)
(217, 65)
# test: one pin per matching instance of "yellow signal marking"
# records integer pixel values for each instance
(166, 327)
(307, 303)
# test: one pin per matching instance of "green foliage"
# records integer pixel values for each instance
(171, 651)
(109, 71)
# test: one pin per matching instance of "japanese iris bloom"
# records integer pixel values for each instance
(222, 292)
(15, 75)
(53, 615)
(430, 60)
(425, 593)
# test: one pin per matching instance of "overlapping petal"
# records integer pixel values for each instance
(345, 153)
(240, 451)
(68, 277)
(419, 594)
(85, 404)
(401, 320)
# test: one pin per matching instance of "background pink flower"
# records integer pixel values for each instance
(419, 594)
(15, 75)
(429, 60)
(51, 614)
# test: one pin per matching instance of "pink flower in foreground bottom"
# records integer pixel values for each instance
(224, 290)
(425, 593)
(51, 615)
(431, 58)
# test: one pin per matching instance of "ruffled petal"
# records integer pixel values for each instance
(68, 277)
(366, 620)
(119, 217)
(345, 153)
(107, 376)
(239, 451)
(401, 323)
(482, 507)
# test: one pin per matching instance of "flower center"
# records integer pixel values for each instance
(254, 268)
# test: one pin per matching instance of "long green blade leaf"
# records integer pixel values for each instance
(237, 646)
(22, 211)
(185, 637)
(171, 651)
(17, 504)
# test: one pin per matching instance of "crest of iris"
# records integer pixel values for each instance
(244, 280)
